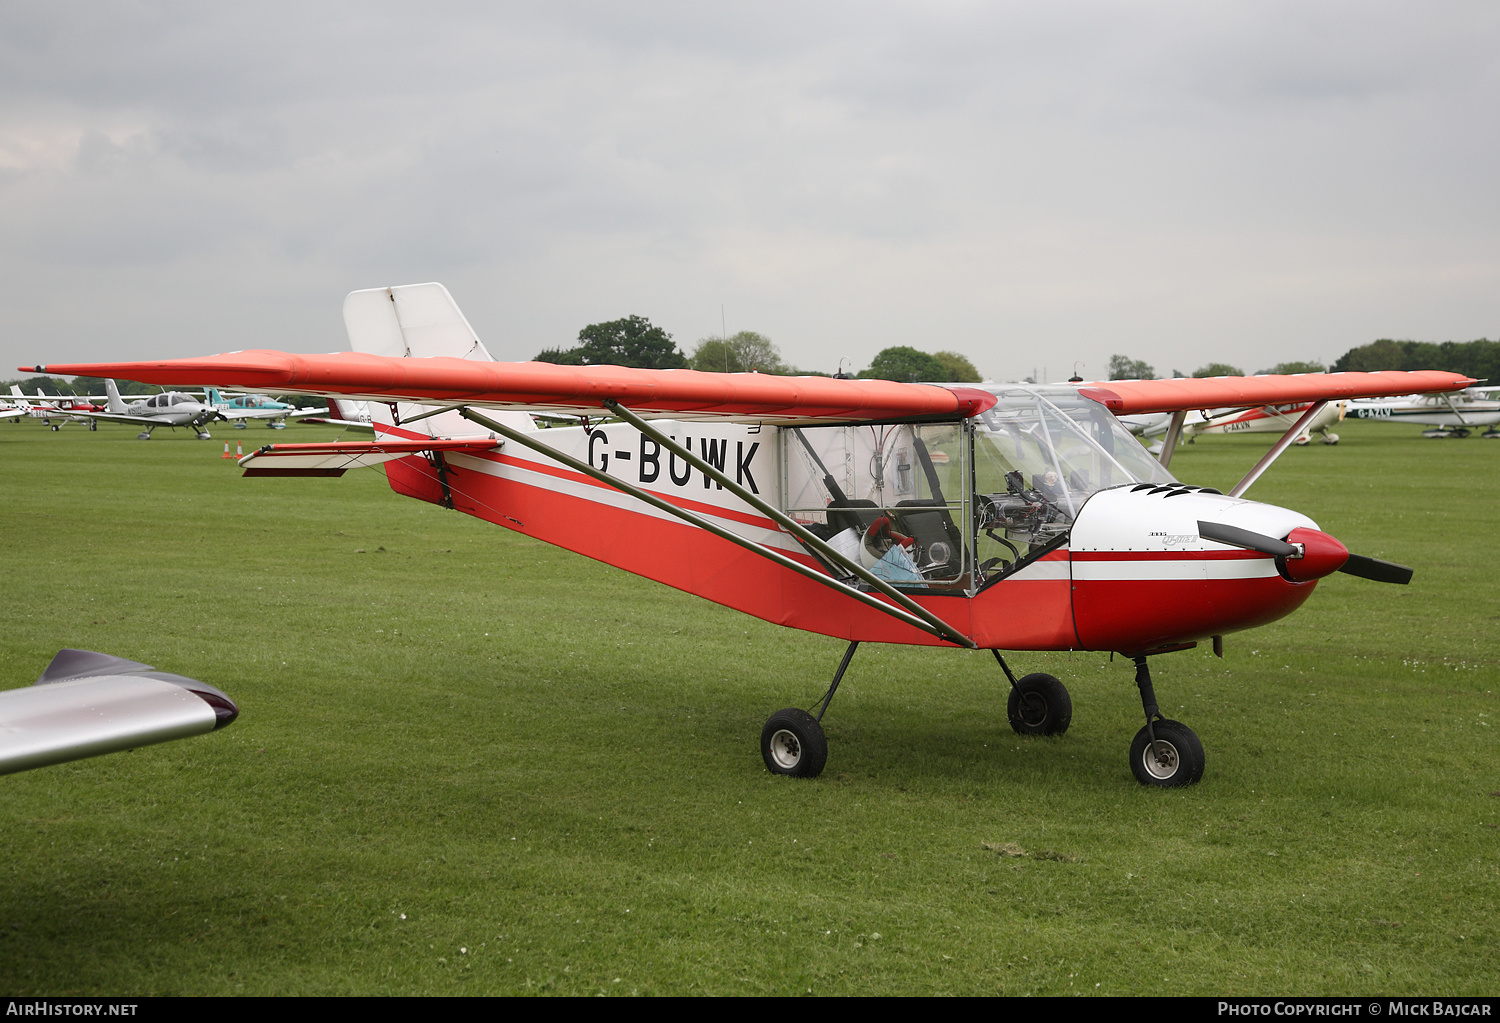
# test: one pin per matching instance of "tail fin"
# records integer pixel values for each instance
(114, 404)
(215, 398)
(418, 321)
(15, 390)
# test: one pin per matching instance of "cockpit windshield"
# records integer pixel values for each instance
(1039, 454)
(948, 506)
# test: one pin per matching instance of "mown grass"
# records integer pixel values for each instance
(471, 763)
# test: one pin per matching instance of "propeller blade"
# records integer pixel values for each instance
(1248, 539)
(1374, 568)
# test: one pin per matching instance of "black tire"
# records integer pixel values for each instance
(1179, 761)
(793, 743)
(1039, 705)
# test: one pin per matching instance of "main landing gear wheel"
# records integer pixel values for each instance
(793, 743)
(1040, 705)
(1176, 759)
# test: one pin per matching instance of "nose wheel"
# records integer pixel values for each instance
(1165, 753)
(1173, 758)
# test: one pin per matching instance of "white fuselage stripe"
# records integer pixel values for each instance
(773, 538)
(1239, 568)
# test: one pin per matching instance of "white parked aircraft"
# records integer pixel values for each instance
(174, 409)
(54, 411)
(1448, 415)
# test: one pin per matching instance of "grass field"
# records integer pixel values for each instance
(470, 763)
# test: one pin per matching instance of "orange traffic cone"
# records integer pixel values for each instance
(226, 453)
(239, 450)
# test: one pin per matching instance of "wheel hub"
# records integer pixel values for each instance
(785, 749)
(1160, 759)
(1033, 708)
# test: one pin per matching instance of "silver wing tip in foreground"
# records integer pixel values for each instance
(88, 703)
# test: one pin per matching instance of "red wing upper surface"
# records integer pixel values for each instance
(541, 386)
(1184, 394)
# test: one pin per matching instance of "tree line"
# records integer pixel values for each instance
(80, 387)
(635, 341)
(1479, 359)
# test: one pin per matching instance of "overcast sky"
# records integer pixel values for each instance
(1031, 184)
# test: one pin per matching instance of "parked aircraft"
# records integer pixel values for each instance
(1012, 517)
(1448, 415)
(243, 407)
(1261, 419)
(87, 703)
(55, 411)
(178, 408)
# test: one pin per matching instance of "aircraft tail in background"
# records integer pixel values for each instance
(115, 404)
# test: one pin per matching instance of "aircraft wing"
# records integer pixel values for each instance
(1184, 394)
(544, 387)
(691, 395)
(120, 417)
(88, 703)
(270, 413)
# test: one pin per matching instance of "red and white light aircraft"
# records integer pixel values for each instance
(1008, 518)
(1261, 419)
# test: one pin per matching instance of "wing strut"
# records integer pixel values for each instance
(1277, 448)
(925, 621)
(1448, 400)
(791, 525)
(1174, 434)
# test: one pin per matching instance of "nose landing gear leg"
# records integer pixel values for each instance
(1165, 753)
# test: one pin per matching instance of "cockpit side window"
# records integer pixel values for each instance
(894, 497)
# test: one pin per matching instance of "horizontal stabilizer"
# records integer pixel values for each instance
(337, 457)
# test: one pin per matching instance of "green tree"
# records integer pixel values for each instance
(95, 386)
(1218, 369)
(905, 364)
(632, 341)
(741, 353)
(561, 356)
(1123, 367)
(47, 385)
(1479, 359)
(957, 369)
(1373, 357)
(1288, 368)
